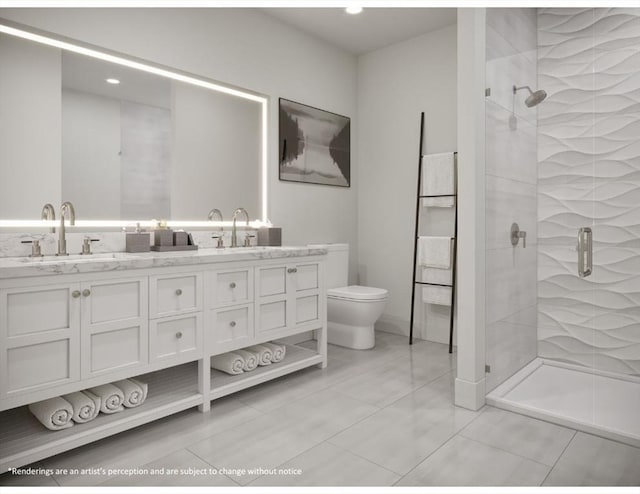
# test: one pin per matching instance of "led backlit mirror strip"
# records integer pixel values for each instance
(13, 29)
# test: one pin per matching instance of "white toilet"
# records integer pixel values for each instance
(351, 310)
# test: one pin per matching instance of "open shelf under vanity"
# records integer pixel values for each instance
(23, 439)
(296, 358)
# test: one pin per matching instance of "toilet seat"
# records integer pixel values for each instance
(357, 293)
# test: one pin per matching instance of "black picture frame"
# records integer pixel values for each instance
(314, 145)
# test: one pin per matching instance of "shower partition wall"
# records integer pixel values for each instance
(588, 192)
(510, 316)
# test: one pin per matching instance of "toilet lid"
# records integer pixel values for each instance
(356, 292)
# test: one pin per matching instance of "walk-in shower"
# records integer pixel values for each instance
(563, 311)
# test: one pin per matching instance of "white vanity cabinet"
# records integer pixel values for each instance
(230, 309)
(39, 337)
(65, 331)
(114, 325)
(288, 296)
(176, 319)
(59, 334)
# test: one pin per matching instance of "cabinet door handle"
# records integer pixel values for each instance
(232, 324)
(232, 284)
(179, 334)
(179, 291)
(75, 293)
(86, 292)
(292, 270)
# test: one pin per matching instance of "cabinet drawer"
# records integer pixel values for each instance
(39, 365)
(230, 328)
(271, 316)
(175, 339)
(231, 287)
(272, 281)
(307, 309)
(113, 349)
(175, 294)
(114, 301)
(36, 310)
(306, 276)
(39, 337)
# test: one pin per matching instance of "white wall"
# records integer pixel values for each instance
(395, 84)
(252, 50)
(30, 91)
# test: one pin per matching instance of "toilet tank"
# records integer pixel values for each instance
(337, 269)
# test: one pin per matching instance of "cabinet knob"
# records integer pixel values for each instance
(179, 334)
(179, 291)
(75, 293)
(86, 292)
(292, 270)
(232, 324)
(232, 284)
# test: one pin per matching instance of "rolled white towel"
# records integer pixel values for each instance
(264, 354)
(135, 392)
(111, 398)
(86, 406)
(250, 360)
(277, 349)
(230, 362)
(55, 413)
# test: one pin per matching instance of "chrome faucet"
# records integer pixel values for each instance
(66, 207)
(49, 213)
(234, 238)
(212, 215)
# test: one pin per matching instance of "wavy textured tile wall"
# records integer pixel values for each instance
(589, 175)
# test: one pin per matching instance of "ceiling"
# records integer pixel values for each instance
(367, 31)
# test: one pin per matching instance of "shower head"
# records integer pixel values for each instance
(534, 98)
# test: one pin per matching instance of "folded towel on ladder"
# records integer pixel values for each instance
(264, 354)
(111, 398)
(55, 413)
(86, 406)
(435, 252)
(135, 392)
(439, 295)
(277, 349)
(229, 362)
(436, 276)
(250, 360)
(438, 179)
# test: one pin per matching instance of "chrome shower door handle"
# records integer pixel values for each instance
(585, 251)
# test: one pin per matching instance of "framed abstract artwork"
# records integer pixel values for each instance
(315, 145)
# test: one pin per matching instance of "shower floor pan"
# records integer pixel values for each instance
(600, 403)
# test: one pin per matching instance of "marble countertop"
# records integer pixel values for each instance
(19, 267)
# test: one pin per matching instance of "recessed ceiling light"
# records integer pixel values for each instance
(113, 81)
(353, 9)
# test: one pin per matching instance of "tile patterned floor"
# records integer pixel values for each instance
(379, 417)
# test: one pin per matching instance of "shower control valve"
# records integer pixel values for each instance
(517, 234)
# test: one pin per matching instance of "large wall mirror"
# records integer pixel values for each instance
(121, 139)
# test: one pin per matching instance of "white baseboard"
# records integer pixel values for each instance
(470, 395)
(398, 325)
(392, 324)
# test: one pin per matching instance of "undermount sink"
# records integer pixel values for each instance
(80, 257)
